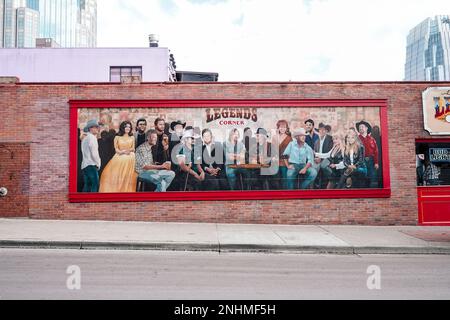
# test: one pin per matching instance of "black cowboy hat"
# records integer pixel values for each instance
(369, 127)
(174, 123)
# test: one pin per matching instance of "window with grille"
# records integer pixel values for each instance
(116, 74)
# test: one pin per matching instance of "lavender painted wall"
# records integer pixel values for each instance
(82, 64)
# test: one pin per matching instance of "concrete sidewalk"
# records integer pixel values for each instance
(337, 239)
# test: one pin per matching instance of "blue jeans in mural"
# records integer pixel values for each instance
(90, 177)
(232, 176)
(372, 173)
(307, 178)
(282, 175)
(358, 178)
(161, 178)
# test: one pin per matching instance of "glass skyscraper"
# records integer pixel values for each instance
(87, 33)
(69, 23)
(428, 51)
(27, 27)
(19, 23)
(2, 14)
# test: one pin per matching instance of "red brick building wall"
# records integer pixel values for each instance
(15, 177)
(36, 115)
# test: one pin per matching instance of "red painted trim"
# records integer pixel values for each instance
(226, 103)
(437, 140)
(226, 195)
(73, 151)
(385, 146)
(432, 195)
(229, 195)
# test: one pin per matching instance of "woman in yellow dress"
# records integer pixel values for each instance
(119, 174)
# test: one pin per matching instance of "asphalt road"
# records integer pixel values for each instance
(42, 274)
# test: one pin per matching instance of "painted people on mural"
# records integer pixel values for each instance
(234, 157)
(161, 149)
(311, 135)
(146, 167)
(335, 158)
(355, 171)
(177, 128)
(140, 134)
(322, 166)
(213, 163)
(190, 175)
(106, 146)
(300, 157)
(91, 161)
(282, 139)
(370, 153)
(267, 157)
(119, 175)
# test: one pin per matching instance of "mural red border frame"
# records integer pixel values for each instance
(75, 196)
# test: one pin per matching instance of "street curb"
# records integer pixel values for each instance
(334, 249)
(97, 245)
(402, 250)
(286, 248)
(39, 244)
(265, 248)
(169, 246)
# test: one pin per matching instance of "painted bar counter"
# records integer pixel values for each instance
(282, 153)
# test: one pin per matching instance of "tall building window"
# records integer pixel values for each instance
(116, 73)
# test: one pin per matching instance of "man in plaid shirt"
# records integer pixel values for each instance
(148, 170)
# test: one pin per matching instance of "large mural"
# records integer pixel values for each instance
(169, 149)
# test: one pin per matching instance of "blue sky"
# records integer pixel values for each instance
(268, 40)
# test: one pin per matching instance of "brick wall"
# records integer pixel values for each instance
(15, 176)
(42, 110)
